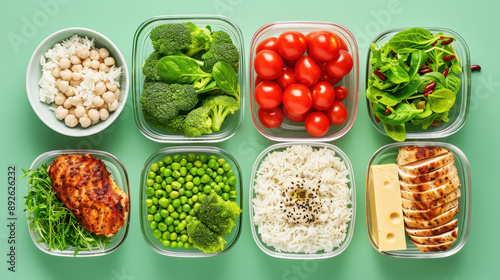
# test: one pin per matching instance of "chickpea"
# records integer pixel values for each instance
(109, 97)
(70, 91)
(104, 68)
(103, 114)
(111, 87)
(94, 55)
(103, 52)
(100, 88)
(78, 50)
(113, 106)
(74, 83)
(98, 101)
(77, 68)
(118, 93)
(95, 64)
(71, 120)
(59, 99)
(56, 72)
(67, 103)
(64, 63)
(80, 111)
(85, 121)
(66, 74)
(76, 100)
(104, 106)
(109, 61)
(93, 114)
(95, 122)
(86, 62)
(71, 111)
(75, 60)
(61, 112)
(76, 76)
(84, 52)
(63, 86)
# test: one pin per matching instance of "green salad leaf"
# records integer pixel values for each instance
(441, 100)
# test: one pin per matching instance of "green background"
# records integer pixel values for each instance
(24, 137)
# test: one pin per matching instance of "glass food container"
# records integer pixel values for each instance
(460, 110)
(387, 154)
(142, 48)
(295, 131)
(147, 232)
(271, 251)
(119, 175)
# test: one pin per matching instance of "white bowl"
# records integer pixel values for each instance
(34, 74)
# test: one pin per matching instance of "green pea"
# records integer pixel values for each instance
(218, 179)
(197, 206)
(189, 165)
(194, 198)
(149, 202)
(174, 215)
(176, 203)
(177, 158)
(153, 225)
(155, 200)
(163, 202)
(176, 185)
(200, 172)
(152, 209)
(156, 186)
(169, 180)
(224, 178)
(189, 178)
(186, 208)
(204, 166)
(183, 171)
(209, 172)
(164, 213)
(149, 182)
(180, 244)
(190, 201)
(180, 226)
(169, 220)
(203, 158)
(166, 243)
(162, 169)
(151, 174)
(232, 194)
(176, 166)
(192, 213)
(182, 216)
(162, 226)
(177, 230)
(173, 244)
(176, 222)
(189, 218)
(182, 191)
(150, 218)
(183, 162)
(217, 189)
(171, 228)
(179, 209)
(154, 167)
(196, 190)
(212, 164)
(226, 188)
(212, 157)
(196, 181)
(176, 174)
(205, 179)
(173, 236)
(157, 233)
(226, 167)
(220, 171)
(189, 185)
(174, 194)
(165, 235)
(191, 157)
(167, 160)
(170, 208)
(159, 193)
(207, 189)
(157, 217)
(230, 173)
(187, 245)
(225, 196)
(181, 180)
(163, 184)
(183, 200)
(198, 163)
(193, 171)
(168, 188)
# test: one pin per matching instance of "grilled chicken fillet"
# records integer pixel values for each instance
(85, 186)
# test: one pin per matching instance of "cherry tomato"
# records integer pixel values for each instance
(340, 66)
(326, 77)
(324, 46)
(340, 93)
(302, 38)
(268, 65)
(258, 80)
(290, 46)
(343, 45)
(286, 78)
(268, 95)
(297, 99)
(309, 37)
(296, 117)
(267, 44)
(337, 114)
(290, 63)
(270, 118)
(307, 72)
(323, 95)
(317, 124)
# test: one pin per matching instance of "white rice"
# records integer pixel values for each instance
(326, 234)
(65, 49)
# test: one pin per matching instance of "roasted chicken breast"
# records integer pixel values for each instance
(85, 186)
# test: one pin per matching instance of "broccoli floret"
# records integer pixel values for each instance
(221, 52)
(220, 106)
(205, 239)
(171, 38)
(162, 102)
(217, 214)
(221, 37)
(201, 39)
(198, 122)
(149, 67)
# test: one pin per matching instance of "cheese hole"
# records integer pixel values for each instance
(390, 237)
(395, 217)
(387, 184)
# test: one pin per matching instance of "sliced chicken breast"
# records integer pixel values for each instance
(411, 154)
(422, 187)
(433, 248)
(425, 205)
(432, 194)
(431, 213)
(433, 231)
(437, 221)
(427, 165)
(436, 239)
(429, 177)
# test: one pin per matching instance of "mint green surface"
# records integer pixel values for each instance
(24, 137)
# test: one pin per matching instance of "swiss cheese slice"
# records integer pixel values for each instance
(386, 212)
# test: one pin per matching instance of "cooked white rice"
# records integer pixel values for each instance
(65, 49)
(335, 195)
